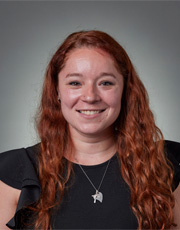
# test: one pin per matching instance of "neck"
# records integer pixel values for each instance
(91, 150)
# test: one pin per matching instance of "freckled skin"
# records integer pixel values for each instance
(90, 81)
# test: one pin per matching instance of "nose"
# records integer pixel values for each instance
(90, 94)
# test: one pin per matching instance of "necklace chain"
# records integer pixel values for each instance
(90, 179)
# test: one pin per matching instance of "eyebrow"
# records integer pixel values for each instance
(74, 75)
(103, 74)
(81, 75)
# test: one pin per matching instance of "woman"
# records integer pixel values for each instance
(101, 161)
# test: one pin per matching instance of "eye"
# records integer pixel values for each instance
(74, 83)
(106, 83)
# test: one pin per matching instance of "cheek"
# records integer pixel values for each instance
(114, 100)
(68, 97)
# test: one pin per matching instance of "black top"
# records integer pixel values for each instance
(18, 168)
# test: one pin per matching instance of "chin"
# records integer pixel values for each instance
(96, 131)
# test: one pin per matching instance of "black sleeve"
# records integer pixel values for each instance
(172, 149)
(18, 165)
(11, 167)
(18, 169)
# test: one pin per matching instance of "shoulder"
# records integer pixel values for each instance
(19, 171)
(19, 164)
(172, 150)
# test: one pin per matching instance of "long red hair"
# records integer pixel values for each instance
(140, 144)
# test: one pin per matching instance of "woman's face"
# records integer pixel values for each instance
(90, 89)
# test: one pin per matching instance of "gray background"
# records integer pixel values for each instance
(31, 31)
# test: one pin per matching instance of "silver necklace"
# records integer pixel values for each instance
(98, 195)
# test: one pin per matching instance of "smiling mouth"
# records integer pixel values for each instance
(90, 112)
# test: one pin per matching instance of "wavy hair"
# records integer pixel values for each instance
(140, 143)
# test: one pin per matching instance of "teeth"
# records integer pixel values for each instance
(89, 112)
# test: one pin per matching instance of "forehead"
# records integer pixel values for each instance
(89, 57)
(84, 50)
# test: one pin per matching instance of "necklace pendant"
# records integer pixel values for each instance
(98, 196)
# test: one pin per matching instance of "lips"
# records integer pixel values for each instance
(90, 112)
